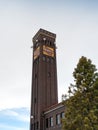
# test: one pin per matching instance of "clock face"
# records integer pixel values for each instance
(49, 51)
(36, 53)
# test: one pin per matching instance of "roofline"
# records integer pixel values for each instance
(52, 109)
(43, 32)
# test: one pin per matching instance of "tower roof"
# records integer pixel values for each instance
(44, 33)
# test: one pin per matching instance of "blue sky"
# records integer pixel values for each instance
(14, 119)
(75, 23)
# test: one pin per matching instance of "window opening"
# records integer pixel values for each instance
(37, 125)
(49, 74)
(58, 120)
(51, 121)
(62, 115)
(47, 123)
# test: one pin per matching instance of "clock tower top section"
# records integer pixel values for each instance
(43, 35)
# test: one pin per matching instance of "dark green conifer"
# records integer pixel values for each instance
(82, 104)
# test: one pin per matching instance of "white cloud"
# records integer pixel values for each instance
(20, 114)
(24, 118)
(10, 113)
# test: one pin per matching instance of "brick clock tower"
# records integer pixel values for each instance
(44, 77)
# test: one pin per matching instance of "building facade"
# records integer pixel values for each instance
(46, 113)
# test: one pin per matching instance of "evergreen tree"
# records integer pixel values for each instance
(81, 108)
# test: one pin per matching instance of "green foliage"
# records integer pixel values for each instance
(82, 104)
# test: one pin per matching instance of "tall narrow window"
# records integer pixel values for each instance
(35, 76)
(58, 119)
(62, 115)
(49, 74)
(37, 125)
(51, 121)
(47, 123)
(34, 126)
